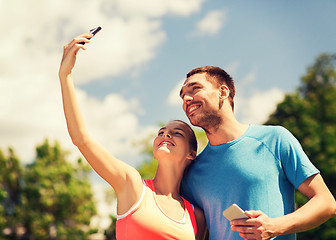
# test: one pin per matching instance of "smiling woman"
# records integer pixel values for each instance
(150, 208)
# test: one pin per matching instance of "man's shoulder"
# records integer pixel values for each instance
(267, 130)
(271, 136)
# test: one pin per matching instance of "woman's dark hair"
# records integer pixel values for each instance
(191, 134)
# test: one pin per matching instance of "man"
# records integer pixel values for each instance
(256, 167)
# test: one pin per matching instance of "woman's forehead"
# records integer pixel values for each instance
(175, 125)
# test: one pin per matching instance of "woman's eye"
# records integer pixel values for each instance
(178, 133)
(160, 133)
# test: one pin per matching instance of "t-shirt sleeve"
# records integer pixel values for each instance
(295, 162)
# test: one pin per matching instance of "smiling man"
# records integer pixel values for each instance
(256, 167)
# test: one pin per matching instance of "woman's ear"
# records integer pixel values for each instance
(192, 155)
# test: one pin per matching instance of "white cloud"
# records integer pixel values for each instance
(232, 68)
(30, 114)
(174, 95)
(212, 23)
(249, 78)
(257, 108)
(156, 8)
(114, 50)
(34, 33)
(130, 37)
(31, 50)
(252, 105)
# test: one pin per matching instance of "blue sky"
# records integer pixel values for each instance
(129, 77)
(275, 40)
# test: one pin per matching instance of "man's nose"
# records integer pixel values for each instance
(187, 98)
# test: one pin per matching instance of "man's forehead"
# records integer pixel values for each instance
(189, 83)
(192, 80)
(186, 84)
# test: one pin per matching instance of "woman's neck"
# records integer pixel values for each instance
(168, 179)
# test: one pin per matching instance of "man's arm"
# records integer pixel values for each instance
(320, 207)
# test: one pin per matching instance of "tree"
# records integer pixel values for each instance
(310, 114)
(11, 174)
(110, 232)
(62, 206)
(47, 199)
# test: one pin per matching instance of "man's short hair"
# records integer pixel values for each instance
(217, 76)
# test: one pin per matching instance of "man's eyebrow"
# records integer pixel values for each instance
(188, 85)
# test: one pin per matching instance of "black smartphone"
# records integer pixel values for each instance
(93, 31)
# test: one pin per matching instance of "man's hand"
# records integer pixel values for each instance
(259, 226)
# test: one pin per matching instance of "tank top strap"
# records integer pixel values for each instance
(191, 212)
(149, 183)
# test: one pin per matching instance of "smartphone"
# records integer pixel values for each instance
(93, 31)
(234, 212)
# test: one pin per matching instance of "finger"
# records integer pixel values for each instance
(254, 213)
(243, 229)
(81, 41)
(242, 222)
(84, 38)
(71, 49)
(248, 236)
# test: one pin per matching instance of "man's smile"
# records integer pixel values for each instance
(192, 108)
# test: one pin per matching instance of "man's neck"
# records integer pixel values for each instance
(229, 130)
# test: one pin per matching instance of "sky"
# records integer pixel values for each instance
(129, 77)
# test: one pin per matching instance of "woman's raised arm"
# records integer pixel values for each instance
(124, 179)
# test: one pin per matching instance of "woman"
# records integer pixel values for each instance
(147, 209)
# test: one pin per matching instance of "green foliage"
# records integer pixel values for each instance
(11, 174)
(48, 199)
(148, 168)
(110, 233)
(310, 114)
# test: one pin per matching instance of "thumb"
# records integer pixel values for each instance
(254, 213)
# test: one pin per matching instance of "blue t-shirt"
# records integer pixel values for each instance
(258, 171)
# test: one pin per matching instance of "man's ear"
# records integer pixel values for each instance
(224, 92)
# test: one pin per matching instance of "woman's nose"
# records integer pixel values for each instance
(167, 134)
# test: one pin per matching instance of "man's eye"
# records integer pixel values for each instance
(160, 133)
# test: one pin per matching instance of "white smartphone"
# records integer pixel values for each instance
(234, 212)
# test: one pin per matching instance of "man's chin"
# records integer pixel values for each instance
(194, 121)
